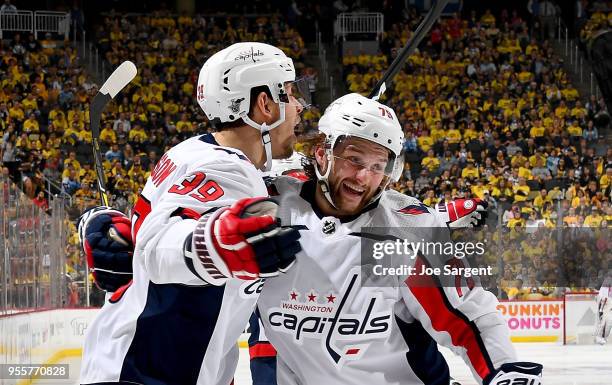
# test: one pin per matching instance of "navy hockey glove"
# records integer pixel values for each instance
(517, 373)
(243, 241)
(105, 236)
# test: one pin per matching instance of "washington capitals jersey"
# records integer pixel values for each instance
(168, 326)
(328, 327)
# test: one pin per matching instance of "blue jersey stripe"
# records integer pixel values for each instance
(172, 334)
(423, 355)
(209, 138)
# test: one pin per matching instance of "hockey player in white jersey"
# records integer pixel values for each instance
(202, 223)
(604, 311)
(324, 324)
(458, 213)
(422, 350)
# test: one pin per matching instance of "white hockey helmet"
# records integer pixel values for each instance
(354, 115)
(227, 77)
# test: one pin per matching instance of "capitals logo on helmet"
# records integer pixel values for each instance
(227, 77)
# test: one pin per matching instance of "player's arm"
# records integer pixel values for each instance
(465, 319)
(261, 352)
(207, 228)
(166, 233)
(470, 324)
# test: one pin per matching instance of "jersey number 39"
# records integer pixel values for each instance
(205, 192)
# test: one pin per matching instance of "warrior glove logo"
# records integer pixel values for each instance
(329, 324)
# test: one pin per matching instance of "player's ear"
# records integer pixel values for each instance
(263, 108)
(321, 158)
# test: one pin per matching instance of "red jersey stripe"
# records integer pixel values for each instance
(262, 350)
(445, 318)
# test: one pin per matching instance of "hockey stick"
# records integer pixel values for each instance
(111, 87)
(398, 62)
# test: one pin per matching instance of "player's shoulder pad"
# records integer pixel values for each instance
(282, 185)
(207, 143)
(407, 208)
(205, 156)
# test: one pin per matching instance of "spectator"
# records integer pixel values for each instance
(108, 135)
(431, 162)
(410, 143)
(114, 154)
(9, 156)
(540, 171)
(590, 132)
(422, 181)
(41, 201)
(7, 7)
(71, 182)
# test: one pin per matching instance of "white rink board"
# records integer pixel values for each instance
(563, 365)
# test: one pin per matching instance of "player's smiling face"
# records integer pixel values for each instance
(358, 172)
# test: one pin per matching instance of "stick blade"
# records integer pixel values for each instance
(119, 78)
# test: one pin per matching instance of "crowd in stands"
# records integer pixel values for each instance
(43, 88)
(537, 263)
(488, 112)
(44, 101)
(596, 17)
(45, 95)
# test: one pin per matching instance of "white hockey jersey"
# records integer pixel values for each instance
(328, 328)
(168, 326)
(605, 292)
(603, 325)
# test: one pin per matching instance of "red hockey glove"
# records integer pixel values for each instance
(461, 213)
(244, 241)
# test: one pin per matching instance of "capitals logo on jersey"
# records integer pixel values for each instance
(251, 289)
(415, 209)
(309, 315)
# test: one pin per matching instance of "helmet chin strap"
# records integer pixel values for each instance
(381, 189)
(267, 143)
(266, 140)
(323, 181)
